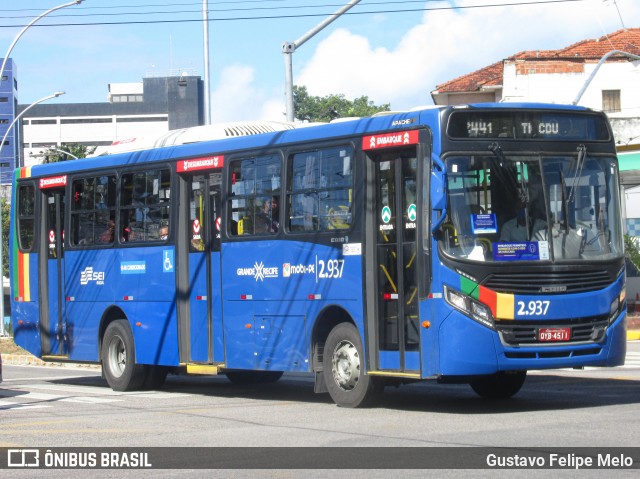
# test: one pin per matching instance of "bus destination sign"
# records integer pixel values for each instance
(53, 182)
(390, 140)
(528, 125)
(204, 163)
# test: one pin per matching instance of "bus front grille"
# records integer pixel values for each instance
(522, 333)
(562, 282)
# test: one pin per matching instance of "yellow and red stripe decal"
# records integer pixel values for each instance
(21, 277)
(502, 305)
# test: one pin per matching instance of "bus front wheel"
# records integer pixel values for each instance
(118, 358)
(501, 385)
(343, 366)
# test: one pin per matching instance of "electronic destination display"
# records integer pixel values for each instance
(526, 125)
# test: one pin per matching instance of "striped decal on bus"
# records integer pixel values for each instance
(21, 278)
(502, 305)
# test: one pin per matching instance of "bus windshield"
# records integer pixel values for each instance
(532, 208)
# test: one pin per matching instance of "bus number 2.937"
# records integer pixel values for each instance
(330, 269)
(533, 308)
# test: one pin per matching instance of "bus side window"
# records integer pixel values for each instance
(320, 190)
(93, 202)
(26, 216)
(144, 205)
(255, 196)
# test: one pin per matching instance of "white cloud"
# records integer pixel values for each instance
(447, 44)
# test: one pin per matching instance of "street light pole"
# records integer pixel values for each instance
(15, 40)
(207, 81)
(289, 47)
(55, 95)
(4, 63)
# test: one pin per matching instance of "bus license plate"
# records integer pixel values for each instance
(554, 334)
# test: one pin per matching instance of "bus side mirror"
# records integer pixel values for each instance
(438, 198)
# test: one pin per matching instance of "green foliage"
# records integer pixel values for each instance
(632, 250)
(309, 108)
(75, 150)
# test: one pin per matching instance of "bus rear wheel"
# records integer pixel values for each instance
(501, 385)
(344, 374)
(118, 358)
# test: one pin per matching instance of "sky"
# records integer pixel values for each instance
(393, 52)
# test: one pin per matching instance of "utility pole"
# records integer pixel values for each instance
(289, 47)
(205, 26)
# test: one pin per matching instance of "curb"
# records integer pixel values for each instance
(29, 360)
(633, 335)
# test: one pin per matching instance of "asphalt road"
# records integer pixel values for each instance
(73, 407)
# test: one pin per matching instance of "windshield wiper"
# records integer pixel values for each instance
(582, 154)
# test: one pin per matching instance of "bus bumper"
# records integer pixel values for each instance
(469, 348)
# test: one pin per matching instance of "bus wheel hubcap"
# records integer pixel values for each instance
(117, 356)
(346, 365)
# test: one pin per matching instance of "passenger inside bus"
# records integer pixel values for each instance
(267, 218)
(108, 235)
(515, 229)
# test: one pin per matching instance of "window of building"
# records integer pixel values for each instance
(4, 99)
(43, 122)
(320, 189)
(255, 191)
(611, 101)
(144, 204)
(126, 98)
(141, 119)
(73, 121)
(93, 210)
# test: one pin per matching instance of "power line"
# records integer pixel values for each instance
(307, 15)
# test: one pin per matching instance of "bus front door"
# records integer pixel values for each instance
(395, 226)
(205, 302)
(56, 337)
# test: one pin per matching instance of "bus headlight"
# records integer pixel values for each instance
(617, 305)
(472, 308)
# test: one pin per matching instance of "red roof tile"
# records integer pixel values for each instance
(626, 40)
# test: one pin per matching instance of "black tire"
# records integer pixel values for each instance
(245, 378)
(343, 372)
(118, 357)
(155, 376)
(502, 385)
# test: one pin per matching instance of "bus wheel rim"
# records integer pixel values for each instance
(346, 365)
(117, 356)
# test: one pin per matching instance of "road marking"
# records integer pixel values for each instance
(5, 405)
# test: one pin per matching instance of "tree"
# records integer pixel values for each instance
(309, 108)
(632, 250)
(54, 155)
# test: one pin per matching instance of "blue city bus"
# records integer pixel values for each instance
(463, 244)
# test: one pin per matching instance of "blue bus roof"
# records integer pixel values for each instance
(361, 126)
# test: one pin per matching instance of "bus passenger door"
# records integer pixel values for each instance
(396, 285)
(205, 302)
(55, 334)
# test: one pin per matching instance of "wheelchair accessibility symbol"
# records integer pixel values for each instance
(167, 262)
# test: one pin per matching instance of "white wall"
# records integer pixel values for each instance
(564, 87)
